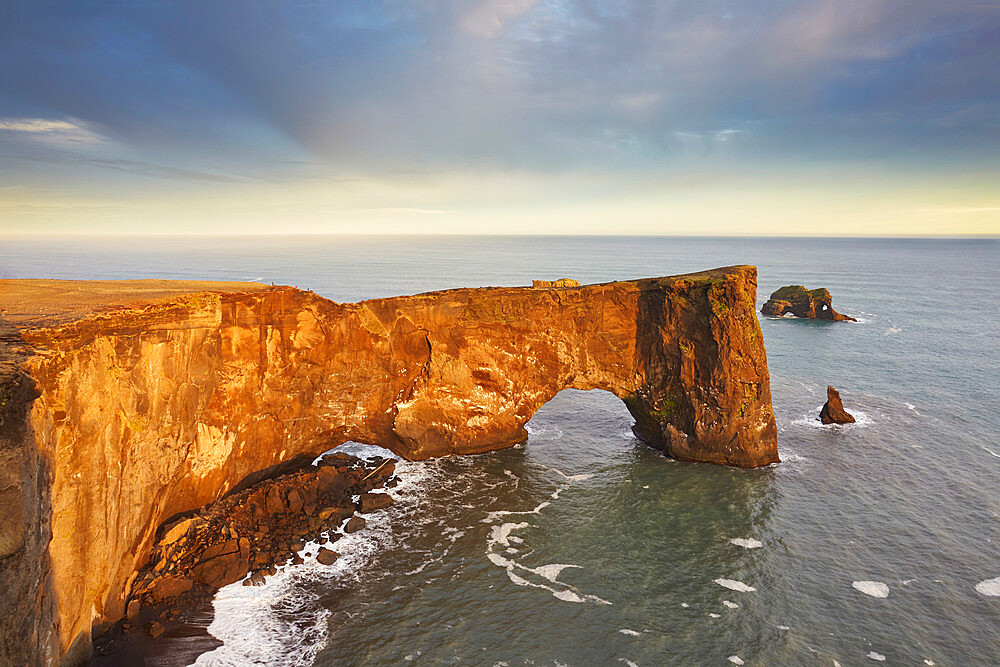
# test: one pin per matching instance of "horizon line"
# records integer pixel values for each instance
(168, 235)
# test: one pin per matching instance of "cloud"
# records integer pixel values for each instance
(390, 87)
(486, 18)
(54, 131)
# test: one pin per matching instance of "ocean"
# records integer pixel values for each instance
(872, 542)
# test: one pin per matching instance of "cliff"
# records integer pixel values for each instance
(156, 398)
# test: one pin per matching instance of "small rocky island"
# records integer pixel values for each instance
(814, 304)
(833, 411)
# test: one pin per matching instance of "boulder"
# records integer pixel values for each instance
(167, 587)
(354, 524)
(255, 579)
(335, 514)
(180, 529)
(326, 556)
(814, 304)
(155, 629)
(833, 411)
(371, 502)
(223, 564)
(333, 481)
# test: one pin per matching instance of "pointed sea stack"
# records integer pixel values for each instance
(833, 411)
(814, 304)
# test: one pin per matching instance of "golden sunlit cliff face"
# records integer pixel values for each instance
(152, 405)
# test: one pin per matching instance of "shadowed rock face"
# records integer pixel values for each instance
(814, 304)
(156, 407)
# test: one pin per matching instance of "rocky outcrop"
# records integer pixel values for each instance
(255, 529)
(833, 411)
(148, 408)
(814, 304)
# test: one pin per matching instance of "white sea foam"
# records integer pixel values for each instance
(784, 627)
(892, 330)
(876, 589)
(501, 536)
(552, 571)
(991, 452)
(628, 662)
(735, 659)
(876, 656)
(730, 605)
(685, 605)
(811, 420)
(990, 587)
(630, 633)
(734, 585)
(714, 615)
(746, 542)
(363, 451)
(568, 596)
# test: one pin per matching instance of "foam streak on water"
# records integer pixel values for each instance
(990, 587)
(500, 535)
(876, 589)
(734, 585)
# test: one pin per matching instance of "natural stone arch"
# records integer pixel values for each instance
(162, 404)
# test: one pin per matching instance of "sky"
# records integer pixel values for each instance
(742, 117)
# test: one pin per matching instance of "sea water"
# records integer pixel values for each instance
(877, 541)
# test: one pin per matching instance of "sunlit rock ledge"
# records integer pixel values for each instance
(125, 403)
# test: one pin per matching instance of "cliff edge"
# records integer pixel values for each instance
(140, 400)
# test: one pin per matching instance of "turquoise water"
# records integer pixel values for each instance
(465, 567)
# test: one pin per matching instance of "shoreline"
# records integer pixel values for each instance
(173, 628)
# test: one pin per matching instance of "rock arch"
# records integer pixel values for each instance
(161, 404)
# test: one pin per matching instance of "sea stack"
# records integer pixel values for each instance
(814, 304)
(833, 411)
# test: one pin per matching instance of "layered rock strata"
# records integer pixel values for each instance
(148, 407)
(796, 300)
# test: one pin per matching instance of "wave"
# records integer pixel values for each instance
(283, 623)
(811, 420)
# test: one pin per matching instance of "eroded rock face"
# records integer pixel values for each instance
(28, 616)
(151, 409)
(833, 411)
(814, 304)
